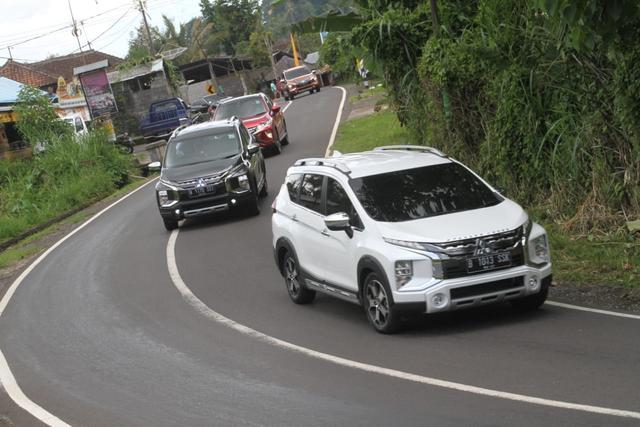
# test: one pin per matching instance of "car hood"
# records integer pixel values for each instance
(256, 120)
(504, 216)
(188, 172)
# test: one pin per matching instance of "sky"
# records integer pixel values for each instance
(108, 25)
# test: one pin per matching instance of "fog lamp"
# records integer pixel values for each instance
(439, 300)
(534, 283)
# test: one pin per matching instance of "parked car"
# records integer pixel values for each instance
(405, 229)
(299, 79)
(164, 117)
(77, 123)
(207, 168)
(207, 104)
(263, 119)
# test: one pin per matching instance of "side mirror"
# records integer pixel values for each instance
(339, 222)
(154, 166)
(253, 149)
(276, 109)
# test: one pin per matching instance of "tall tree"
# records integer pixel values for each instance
(233, 20)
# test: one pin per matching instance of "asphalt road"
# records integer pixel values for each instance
(98, 334)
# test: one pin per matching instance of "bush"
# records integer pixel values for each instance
(67, 175)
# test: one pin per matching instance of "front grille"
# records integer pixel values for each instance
(455, 254)
(192, 183)
(203, 202)
(486, 288)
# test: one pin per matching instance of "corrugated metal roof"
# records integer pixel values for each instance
(9, 90)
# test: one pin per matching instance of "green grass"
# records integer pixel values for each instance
(10, 257)
(368, 93)
(365, 133)
(604, 261)
(30, 246)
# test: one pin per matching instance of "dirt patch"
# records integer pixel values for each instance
(617, 298)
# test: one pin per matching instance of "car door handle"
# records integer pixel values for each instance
(325, 232)
(294, 217)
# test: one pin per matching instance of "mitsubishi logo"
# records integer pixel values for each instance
(482, 247)
(200, 183)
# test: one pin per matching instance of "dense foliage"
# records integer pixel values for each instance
(543, 97)
(69, 173)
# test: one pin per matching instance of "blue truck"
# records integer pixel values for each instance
(164, 117)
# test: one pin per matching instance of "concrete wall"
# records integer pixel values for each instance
(132, 105)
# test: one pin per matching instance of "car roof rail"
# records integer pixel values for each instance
(177, 130)
(419, 148)
(324, 162)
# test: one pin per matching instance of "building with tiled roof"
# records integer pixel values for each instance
(64, 65)
(46, 73)
(26, 74)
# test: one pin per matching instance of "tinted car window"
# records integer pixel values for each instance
(241, 108)
(422, 192)
(338, 201)
(296, 72)
(293, 183)
(221, 144)
(311, 192)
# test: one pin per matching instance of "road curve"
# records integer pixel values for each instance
(98, 335)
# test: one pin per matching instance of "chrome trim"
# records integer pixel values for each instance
(333, 291)
(203, 211)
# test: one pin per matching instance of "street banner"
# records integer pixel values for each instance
(98, 94)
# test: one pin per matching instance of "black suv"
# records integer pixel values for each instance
(207, 168)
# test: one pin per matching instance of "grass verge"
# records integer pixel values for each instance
(37, 242)
(610, 261)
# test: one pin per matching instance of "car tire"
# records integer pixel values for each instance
(253, 207)
(318, 89)
(170, 224)
(311, 91)
(264, 191)
(291, 97)
(376, 298)
(285, 140)
(531, 302)
(297, 291)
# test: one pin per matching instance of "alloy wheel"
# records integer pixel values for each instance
(377, 303)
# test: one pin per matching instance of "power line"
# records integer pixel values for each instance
(105, 31)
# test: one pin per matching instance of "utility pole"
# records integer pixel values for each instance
(86, 35)
(75, 30)
(267, 42)
(146, 26)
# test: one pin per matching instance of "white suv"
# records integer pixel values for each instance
(405, 229)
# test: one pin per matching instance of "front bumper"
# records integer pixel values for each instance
(299, 89)
(206, 205)
(474, 291)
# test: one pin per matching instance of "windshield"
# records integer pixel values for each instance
(241, 108)
(222, 144)
(296, 72)
(422, 192)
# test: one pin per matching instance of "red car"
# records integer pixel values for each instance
(263, 119)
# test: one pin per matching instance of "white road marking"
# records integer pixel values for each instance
(287, 106)
(209, 313)
(334, 132)
(7, 379)
(593, 310)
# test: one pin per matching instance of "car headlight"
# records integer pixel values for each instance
(238, 183)
(291, 86)
(404, 273)
(539, 250)
(266, 129)
(166, 198)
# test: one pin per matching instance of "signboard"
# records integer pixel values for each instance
(98, 94)
(7, 117)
